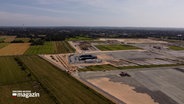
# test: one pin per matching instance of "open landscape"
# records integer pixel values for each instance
(12, 77)
(41, 49)
(10, 71)
(115, 47)
(7, 39)
(14, 49)
(122, 92)
(144, 86)
(3, 45)
(63, 47)
(177, 48)
(25, 40)
(104, 71)
(91, 52)
(50, 48)
(65, 88)
(87, 70)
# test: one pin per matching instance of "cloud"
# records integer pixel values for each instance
(93, 12)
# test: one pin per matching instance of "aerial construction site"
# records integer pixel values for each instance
(91, 52)
(127, 71)
(86, 70)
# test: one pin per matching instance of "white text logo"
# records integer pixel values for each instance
(24, 94)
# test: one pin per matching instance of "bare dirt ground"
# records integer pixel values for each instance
(156, 85)
(123, 92)
(134, 40)
(61, 61)
(150, 86)
(143, 87)
(105, 57)
(8, 38)
(176, 53)
(77, 48)
(14, 49)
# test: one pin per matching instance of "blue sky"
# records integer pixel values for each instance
(133, 13)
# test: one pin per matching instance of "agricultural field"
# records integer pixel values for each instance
(51, 48)
(8, 39)
(14, 49)
(3, 45)
(47, 48)
(12, 77)
(176, 48)
(25, 40)
(63, 47)
(115, 47)
(10, 72)
(78, 38)
(2, 40)
(65, 88)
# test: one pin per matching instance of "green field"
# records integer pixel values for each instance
(99, 68)
(2, 40)
(13, 78)
(115, 47)
(50, 48)
(10, 72)
(176, 48)
(78, 38)
(111, 67)
(65, 88)
(47, 48)
(3, 45)
(63, 47)
(25, 40)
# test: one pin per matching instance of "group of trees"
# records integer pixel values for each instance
(17, 41)
(22, 66)
(37, 41)
(61, 33)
